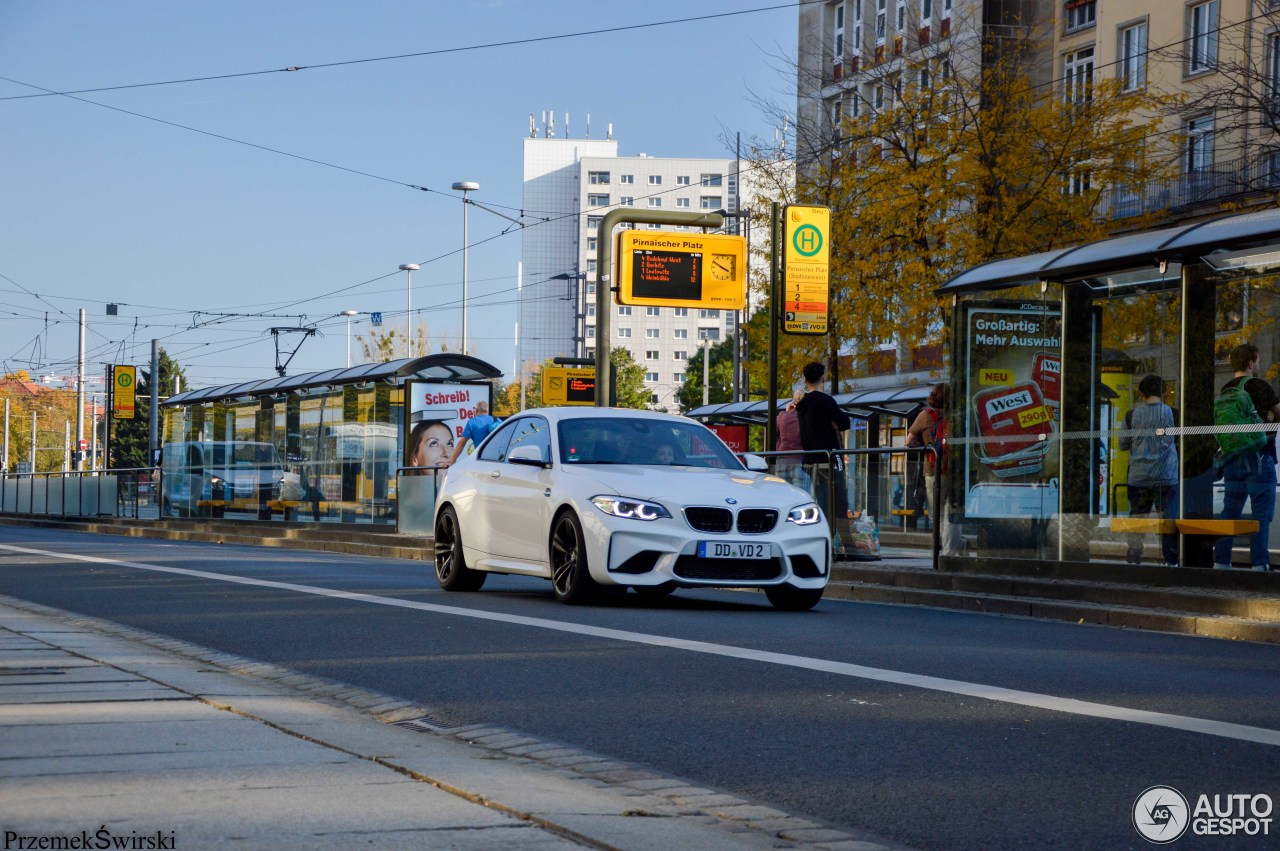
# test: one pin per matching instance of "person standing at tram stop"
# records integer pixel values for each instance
(791, 467)
(1153, 466)
(1251, 475)
(821, 424)
(923, 431)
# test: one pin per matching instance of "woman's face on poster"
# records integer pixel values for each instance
(433, 447)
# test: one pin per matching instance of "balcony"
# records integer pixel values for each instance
(1232, 181)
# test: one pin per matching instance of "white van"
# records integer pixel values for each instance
(209, 477)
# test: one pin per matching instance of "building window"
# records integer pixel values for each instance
(591, 310)
(681, 333)
(651, 354)
(1273, 74)
(682, 180)
(598, 178)
(593, 222)
(651, 333)
(1077, 76)
(1079, 16)
(877, 97)
(711, 202)
(627, 201)
(624, 332)
(902, 16)
(653, 311)
(591, 331)
(655, 180)
(682, 202)
(1203, 38)
(881, 20)
(627, 178)
(651, 377)
(591, 289)
(708, 333)
(1199, 158)
(681, 311)
(678, 378)
(709, 313)
(591, 243)
(598, 200)
(926, 12)
(1133, 57)
(681, 354)
(624, 310)
(655, 202)
(711, 179)
(837, 33)
(855, 46)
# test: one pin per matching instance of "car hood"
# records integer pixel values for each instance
(690, 485)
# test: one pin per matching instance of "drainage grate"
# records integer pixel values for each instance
(426, 724)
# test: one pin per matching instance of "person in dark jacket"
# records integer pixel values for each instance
(822, 427)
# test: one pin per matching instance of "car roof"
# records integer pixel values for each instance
(560, 414)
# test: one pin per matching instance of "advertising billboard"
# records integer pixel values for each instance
(435, 414)
(1013, 371)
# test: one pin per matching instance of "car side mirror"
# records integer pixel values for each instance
(530, 455)
(755, 463)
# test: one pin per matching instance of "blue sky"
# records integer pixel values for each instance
(102, 206)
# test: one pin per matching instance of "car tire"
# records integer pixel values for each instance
(570, 577)
(451, 565)
(789, 598)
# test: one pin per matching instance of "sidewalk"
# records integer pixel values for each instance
(113, 734)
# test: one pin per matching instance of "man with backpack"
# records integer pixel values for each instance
(1249, 462)
(476, 430)
(822, 424)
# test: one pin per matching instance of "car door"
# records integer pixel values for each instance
(517, 495)
(472, 501)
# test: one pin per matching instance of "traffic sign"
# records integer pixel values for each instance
(564, 386)
(806, 269)
(84, 445)
(674, 269)
(375, 319)
(124, 380)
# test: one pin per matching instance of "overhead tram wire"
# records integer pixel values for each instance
(419, 54)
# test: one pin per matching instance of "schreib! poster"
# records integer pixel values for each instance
(1013, 366)
(436, 415)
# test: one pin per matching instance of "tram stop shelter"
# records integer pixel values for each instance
(327, 446)
(1047, 352)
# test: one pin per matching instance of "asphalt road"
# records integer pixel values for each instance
(938, 729)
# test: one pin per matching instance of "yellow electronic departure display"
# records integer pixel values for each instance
(561, 386)
(663, 269)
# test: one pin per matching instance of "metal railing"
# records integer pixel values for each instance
(1210, 186)
(124, 492)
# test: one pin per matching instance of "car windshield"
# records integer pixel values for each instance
(635, 441)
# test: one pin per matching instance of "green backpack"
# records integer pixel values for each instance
(1234, 407)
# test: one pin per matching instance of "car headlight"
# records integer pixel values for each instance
(216, 481)
(804, 515)
(632, 509)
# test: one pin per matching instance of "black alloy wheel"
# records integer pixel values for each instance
(789, 598)
(451, 565)
(570, 578)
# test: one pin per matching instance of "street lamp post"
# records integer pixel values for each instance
(464, 186)
(408, 269)
(349, 314)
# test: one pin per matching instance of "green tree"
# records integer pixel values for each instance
(131, 438)
(721, 377)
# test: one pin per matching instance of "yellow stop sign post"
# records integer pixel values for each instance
(806, 269)
(124, 381)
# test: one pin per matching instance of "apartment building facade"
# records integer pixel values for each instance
(573, 183)
(1222, 58)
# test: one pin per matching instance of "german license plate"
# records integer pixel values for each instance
(732, 549)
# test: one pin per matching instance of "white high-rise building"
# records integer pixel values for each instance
(572, 183)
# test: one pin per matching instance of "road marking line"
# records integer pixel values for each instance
(1241, 732)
